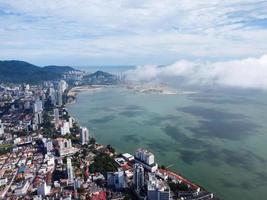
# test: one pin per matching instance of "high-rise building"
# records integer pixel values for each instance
(59, 98)
(62, 86)
(138, 178)
(70, 122)
(157, 189)
(84, 135)
(49, 145)
(145, 156)
(27, 87)
(38, 111)
(43, 189)
(116, 179)
(56, 116)
(65, 147)
(38, 106)
(64, 143)
(38, 117)
(70, 171)
(53, 96)
(1, 128)
(65, 129)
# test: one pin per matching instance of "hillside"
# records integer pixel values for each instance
(100, 77)
(22, 72)
(58, 69)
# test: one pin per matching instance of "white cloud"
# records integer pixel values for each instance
(150, 31)
(244, 73)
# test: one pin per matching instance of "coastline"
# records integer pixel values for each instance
(174, 175)
(73, 92)
(158, 89)
(77, 89)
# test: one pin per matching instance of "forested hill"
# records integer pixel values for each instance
(15, 71)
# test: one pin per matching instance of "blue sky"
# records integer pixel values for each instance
(131, 32)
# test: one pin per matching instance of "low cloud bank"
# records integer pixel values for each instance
(244, 73)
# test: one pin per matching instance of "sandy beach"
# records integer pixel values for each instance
(158, 89)
(75, 90)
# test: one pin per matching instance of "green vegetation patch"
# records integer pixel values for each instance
(103, 163)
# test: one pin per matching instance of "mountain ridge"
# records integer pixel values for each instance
(17, 71)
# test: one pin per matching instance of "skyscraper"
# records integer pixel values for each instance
(38, 106)
(65, 129)
(44, 189)
(145, 156)
(38, 117)
(62, 86)
(49, 145)
(38, 111)
(138, 178)
(84, 135)
(53, 96)
(70, 171)
(56, 116)
(70, 120)
(59, 98)
(116, 179)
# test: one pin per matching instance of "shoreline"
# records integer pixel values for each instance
(73, 92)
(173, 174)
(77, 89)
(158, 89)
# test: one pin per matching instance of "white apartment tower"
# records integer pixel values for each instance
(38, 117)
(38, 111)
(65, 129)
(62, 86)
(70, 171)
(38, 106)
(84, 135)
(145, 156)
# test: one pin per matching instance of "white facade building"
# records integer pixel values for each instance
(38, 106)
(70, 171)
(70, 122)
(62, 86)
(64, 143)
(49, 145)
(157, 189)
(145, 156)
(65, 147)
(3, 181)
(38, 117)
(84, 135)
(65, 129)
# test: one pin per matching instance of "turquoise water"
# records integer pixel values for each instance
(216, 139)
